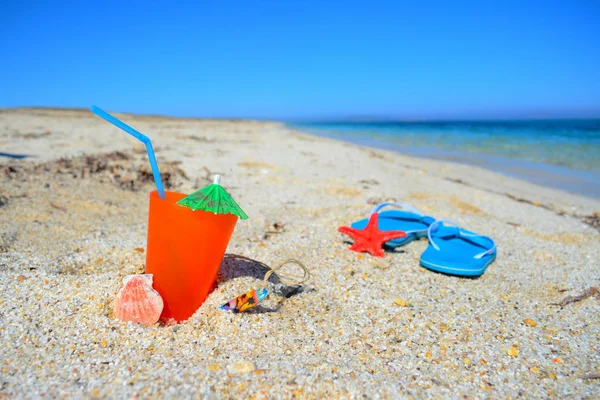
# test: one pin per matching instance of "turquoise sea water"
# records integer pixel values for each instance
(559, 153)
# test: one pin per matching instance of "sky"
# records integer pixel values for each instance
(305, 60)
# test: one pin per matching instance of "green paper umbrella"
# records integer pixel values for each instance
(213, 198)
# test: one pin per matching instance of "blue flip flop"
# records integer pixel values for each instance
(456, 251)
(407, 219)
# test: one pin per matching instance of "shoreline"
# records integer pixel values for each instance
(585, 183)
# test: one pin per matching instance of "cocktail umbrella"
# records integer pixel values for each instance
(213, 198)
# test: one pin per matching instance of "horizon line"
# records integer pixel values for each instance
(326, 119)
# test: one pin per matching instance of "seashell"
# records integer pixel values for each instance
(137, 301)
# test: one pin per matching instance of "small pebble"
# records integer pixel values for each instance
(513, 352)
(530, 322)
(399, 302)
(242, 367)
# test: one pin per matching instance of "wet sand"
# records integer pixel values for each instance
(586, 183)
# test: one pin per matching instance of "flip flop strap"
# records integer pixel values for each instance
(406, 207)
(460, 233)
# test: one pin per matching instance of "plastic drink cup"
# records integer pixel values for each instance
(185, 249)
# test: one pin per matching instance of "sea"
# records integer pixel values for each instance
(563, 154)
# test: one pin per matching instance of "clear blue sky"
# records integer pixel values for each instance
(290, 59)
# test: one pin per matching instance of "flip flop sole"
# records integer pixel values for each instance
(458, 271)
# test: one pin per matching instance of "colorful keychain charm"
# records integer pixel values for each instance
(254, 297)
(245, 301)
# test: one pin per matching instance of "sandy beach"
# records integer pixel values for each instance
(73, 220)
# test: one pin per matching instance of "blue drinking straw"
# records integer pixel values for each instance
(143, 138)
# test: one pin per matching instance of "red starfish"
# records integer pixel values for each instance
(370, 239)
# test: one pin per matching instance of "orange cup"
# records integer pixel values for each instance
(185, 250)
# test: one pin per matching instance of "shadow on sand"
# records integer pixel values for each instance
(386, 248)
(235, 266)
(15, 156)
